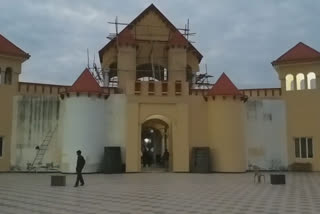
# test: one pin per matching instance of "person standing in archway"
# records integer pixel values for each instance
(144, 157)
(80, 164)
(165, 158)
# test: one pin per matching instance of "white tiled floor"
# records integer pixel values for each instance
(159, 193)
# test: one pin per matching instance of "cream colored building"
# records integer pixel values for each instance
(147, 99)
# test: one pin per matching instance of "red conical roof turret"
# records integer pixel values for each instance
(8, 48)
(299, 53)
(224, 86)
(85, 84)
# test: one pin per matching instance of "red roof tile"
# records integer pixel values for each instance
(299, 53)
(224, 86)
(8, 48)
(86, 84)
(177, 39)
(163, 17)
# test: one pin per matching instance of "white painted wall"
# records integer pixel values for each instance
(266, 133)
(116, 122)
(89, 124)
(33, 118)
(85, 123)
(82, 119)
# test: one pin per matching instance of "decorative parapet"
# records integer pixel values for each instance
(274, 93)
(157, 88)
(262, 92)
(26, 88)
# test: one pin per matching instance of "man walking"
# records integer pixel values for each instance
(80, 164)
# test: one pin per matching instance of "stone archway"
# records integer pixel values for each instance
(177, 118)
(156, 148)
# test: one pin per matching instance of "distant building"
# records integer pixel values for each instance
(149, 98)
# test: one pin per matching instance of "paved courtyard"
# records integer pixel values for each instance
(159, 193)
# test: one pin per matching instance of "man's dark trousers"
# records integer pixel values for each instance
(79, 178)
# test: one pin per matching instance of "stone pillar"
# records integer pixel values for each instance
(133, 139)
(294, 83)
(177, 63)
(126, 65)
(180, 140)
(305, 81)
(2, 73)
(317, 81)
(283, 84)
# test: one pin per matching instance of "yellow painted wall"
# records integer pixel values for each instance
(226, 134)
(109, 57)
(302, 111)
(151, 27)
(133, 144)
(192, 61)
(159, 51)
(6, 96)
(198, 122)
(303, 120)
(176, 111)
(177, 63)
(126, 65)
(302, 108)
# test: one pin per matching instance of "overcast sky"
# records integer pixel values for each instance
(239, 38)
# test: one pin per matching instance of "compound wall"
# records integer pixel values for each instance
(265, 133)
(33, 118)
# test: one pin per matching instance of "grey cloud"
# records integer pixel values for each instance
(240, 38)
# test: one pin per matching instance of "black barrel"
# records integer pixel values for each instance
(200, 160)
(58, 180)
(112, 160)
(277, 179)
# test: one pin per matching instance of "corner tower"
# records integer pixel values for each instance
(11, 59)
(226, 127)
(82, 123)
(299, 72)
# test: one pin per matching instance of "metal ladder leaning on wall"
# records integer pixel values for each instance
(41, 150)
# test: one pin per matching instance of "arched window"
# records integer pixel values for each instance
(146, 72)
(311, 77)
(8, 76)
(300, 81)
(289, 82)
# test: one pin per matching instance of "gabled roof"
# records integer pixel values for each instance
(140, 16)
(126, 37)
(85, 84)
(224, 86)
(10, 49)
(299, 53)
(177, 39)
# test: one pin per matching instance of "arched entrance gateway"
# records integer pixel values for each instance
(156, 150)
(162, 126)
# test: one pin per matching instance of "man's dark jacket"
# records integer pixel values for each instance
(80, 163)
